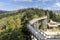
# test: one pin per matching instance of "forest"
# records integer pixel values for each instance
(13, 23)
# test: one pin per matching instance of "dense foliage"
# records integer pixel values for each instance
(13, 24)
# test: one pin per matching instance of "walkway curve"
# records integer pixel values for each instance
(35, 32)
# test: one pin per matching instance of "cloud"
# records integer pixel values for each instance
(21, 7)
(44, 0)
(48, 8)
(23, 0)
(35, 6)
(3, 4)
(57, 4)
(16, 8)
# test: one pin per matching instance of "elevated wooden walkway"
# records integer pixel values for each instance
(37, 34)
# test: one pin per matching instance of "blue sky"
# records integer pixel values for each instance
(20, 4)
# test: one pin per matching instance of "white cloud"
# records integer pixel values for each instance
(57, 4)
(44, 0)
(3, 4)
(14, 8)
(23, 0)
(20, 7)
(48, 8)
(35, 6)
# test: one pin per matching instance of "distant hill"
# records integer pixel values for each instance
(56, 11)
(1, 11)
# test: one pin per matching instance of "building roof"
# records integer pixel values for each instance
(52, 24)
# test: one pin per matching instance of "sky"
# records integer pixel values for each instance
(21, 4)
